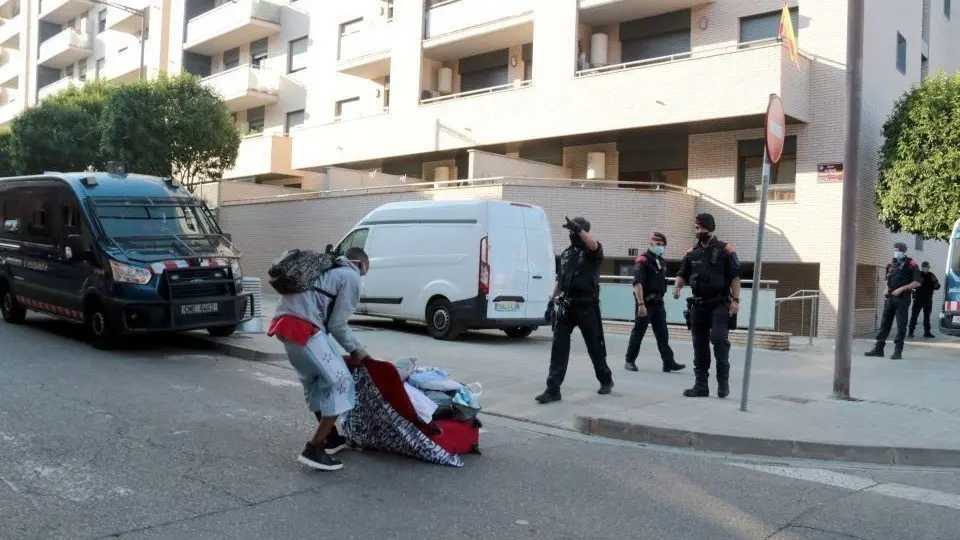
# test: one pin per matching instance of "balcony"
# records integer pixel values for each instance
(605, 12)
(11, 68)
(232, 24)
(124, 67)
(123, 21)
(10, 32)
(8, 111)
(64, 49)
(57, 87)
(459, 28)
(366, 53)
(61, 11)
(263, 156)
(714, 90)
(246, 87)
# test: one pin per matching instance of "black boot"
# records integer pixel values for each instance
(701, 388)
(910, 334)
(928, 335)
(605, 389)
(897, 353)
(723, 381)
(673, 366)
(548, 397)
(877, 351)
(630, 366)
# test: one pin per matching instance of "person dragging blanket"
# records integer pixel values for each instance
(304, 323)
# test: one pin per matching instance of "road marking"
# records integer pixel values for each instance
(273, 381)
(864, 485)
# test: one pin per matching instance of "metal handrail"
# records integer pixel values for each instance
(479, 92)
(802, 296)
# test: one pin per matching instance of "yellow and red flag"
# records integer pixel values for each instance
(787, 34)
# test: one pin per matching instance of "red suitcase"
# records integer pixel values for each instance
(455, 436)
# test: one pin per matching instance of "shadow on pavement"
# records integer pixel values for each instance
(490, 337)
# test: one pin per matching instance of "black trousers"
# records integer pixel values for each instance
(894, 307)
(709, 323)
(585, 316)
(925, 305)
(656, 318)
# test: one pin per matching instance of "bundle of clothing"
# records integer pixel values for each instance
(418, 412)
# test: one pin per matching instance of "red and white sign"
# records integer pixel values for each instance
(775, 126)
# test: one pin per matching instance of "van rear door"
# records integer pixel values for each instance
(541, 261)
(506, 255)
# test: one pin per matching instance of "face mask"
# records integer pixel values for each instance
(899, 255)
(657, 250)
(703, 236)
(924, 270)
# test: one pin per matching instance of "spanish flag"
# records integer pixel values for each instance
(787, 34)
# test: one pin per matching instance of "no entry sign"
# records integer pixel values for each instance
(776, 128)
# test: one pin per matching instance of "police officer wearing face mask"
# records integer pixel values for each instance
(923, 299)
(903, 276)
(576, 298)
(649, 286)
(713, 271)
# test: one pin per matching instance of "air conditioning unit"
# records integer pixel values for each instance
(598, 50)
(596, 165)
(445, 80)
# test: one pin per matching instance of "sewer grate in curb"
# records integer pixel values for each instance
(792, 399)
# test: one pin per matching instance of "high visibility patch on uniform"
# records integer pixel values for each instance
(641, 259)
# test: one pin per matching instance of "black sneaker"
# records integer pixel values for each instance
(605, 389)
(630, 366)
(547, 397)
(315, 458)
(335, 443)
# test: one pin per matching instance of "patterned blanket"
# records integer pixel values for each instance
(376, 425)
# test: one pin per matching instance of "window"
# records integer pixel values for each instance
(231, 58)
(38, 216)
(258, 53)
(68, 71)
(766, 26)
(72, 23)
(924, 68)
(351, 27)
(487, 70)
(901, 53)
(918, 242)
(102, 21)
(750, 172)
(82, 70)
(386, 92)
(946, 8)
(98, 70)
(10, 216)
(255, 120)
(357, 238)
(297, 57)
(348, 108)
(294, 119)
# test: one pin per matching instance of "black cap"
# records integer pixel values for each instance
(660, 236)
(582, 222)
(900, 246)
(706, 221)
(925, 264)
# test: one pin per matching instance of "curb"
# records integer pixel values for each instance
(733, 444)
(238, 350)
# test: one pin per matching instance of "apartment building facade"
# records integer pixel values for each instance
(656, 103)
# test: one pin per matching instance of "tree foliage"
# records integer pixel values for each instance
(918, 190)
(167, 126)
(171, 126)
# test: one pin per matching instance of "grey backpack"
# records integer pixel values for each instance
(296, 270)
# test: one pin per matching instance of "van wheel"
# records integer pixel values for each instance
(440, 321)
(222, 331)
(519, 332)
(100, 328)
(13, 312)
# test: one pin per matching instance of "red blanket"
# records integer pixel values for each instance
(387, 379)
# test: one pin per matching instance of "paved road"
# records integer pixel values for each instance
(163, 441)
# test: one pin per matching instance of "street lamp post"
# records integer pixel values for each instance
(142, 13)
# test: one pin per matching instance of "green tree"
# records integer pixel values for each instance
(918, 190)
(6, 167)
(60, 134)
(171, 126)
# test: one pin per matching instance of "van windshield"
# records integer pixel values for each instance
(125, 221)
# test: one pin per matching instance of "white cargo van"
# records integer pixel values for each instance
(457, 265)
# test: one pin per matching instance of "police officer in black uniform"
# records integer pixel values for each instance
(923, 299)
(713, 271)
(903, 276)
(649, 286)
(576, 299)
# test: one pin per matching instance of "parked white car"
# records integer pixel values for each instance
(457, 265)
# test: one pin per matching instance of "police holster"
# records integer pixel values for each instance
(731, 322)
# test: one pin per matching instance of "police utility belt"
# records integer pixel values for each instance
(713, 299)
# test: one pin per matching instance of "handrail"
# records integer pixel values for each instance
(480, 91)
(802, 296)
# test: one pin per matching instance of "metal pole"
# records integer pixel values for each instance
(755, 286)
(848, 230)
(143, 40)
(814, 307)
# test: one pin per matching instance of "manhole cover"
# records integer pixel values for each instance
(792, 399)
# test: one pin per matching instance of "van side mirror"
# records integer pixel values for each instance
(228, 236)
(329, 248)
(77, 249)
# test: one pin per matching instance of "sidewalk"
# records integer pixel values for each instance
(907, 411)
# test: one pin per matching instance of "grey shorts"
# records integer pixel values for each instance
(328, 386)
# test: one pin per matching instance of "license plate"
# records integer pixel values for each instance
(506, 306)
(199, 309)
(956, 320)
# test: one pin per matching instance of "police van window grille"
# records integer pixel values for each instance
(10, 217)
(39, 225)
(133, 221)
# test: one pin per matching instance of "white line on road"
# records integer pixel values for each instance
(857, 483)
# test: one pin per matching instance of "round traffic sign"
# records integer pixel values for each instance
(775, 126)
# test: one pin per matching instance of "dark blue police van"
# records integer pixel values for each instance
(121, 254)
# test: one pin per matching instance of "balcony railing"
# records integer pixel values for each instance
(245, 87)
(10, 31)
(64, 49)
(124, 66)
(57, 87)
(478, 92)
(121, 20)
(231, 24)
(61, 11)
(12, 66)
(9, 111)
(264, 156)
(455, 15)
